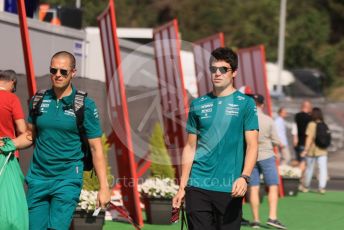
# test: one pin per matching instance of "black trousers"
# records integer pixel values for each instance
(211, 210)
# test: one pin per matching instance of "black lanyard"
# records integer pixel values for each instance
(184, 222)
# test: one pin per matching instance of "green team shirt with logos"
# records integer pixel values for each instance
(57, 153)
(220, 124)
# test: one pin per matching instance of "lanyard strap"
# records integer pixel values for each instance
(184, 222)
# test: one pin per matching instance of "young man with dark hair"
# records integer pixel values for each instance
(56, 170)
(221, 150)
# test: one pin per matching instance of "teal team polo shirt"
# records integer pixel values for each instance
(57, 153)
(220, 124)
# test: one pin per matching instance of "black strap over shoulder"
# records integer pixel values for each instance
(36, 104)
(79, 107)
(79, 100)
(79, 110)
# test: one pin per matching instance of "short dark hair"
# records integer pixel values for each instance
(224, 54)
(258, 98)
(8, 75)
(317, 114)
(280, 110)
(65, 54)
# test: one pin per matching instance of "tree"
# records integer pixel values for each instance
(161, 166)
(91, 182)
(313, 33)
(308, 32)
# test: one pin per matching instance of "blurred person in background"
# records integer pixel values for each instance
(294, 162)
(282, 134)
(266, 165)
(302, 119)
(315, 153)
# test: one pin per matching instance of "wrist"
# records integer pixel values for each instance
(14, 141)
(182, 184)
(104, 186)
(8, 145)
(246, 178)
(181, 188)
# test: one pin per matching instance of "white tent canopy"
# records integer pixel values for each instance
(272, 74)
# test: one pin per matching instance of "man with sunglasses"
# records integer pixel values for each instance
(221, 150)
(12, 121)
(56, 171)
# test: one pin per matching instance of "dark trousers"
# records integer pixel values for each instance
(298, 150)
(211, 210)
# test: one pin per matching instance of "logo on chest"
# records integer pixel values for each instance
(44, 106)
(69, 112)
(206, 109)
(232, 110)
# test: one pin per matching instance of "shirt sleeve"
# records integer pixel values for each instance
(191, 125)
(251, 117)
(311, 128)
(274, 137)
(279, 123)
(294, 131)
(91, 120)
(17, 111)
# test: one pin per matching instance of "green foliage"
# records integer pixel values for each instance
(339, 61)
(313, 31)
(161, 166)
(91, 182)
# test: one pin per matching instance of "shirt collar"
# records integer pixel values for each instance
(67, 99)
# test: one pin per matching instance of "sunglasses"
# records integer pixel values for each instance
(63, 72)
(222, 69)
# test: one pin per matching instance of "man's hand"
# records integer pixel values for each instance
(295, 142)
(239, 187)
(304, 153)
(7, 146)
(178, 198)
(103, 198)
